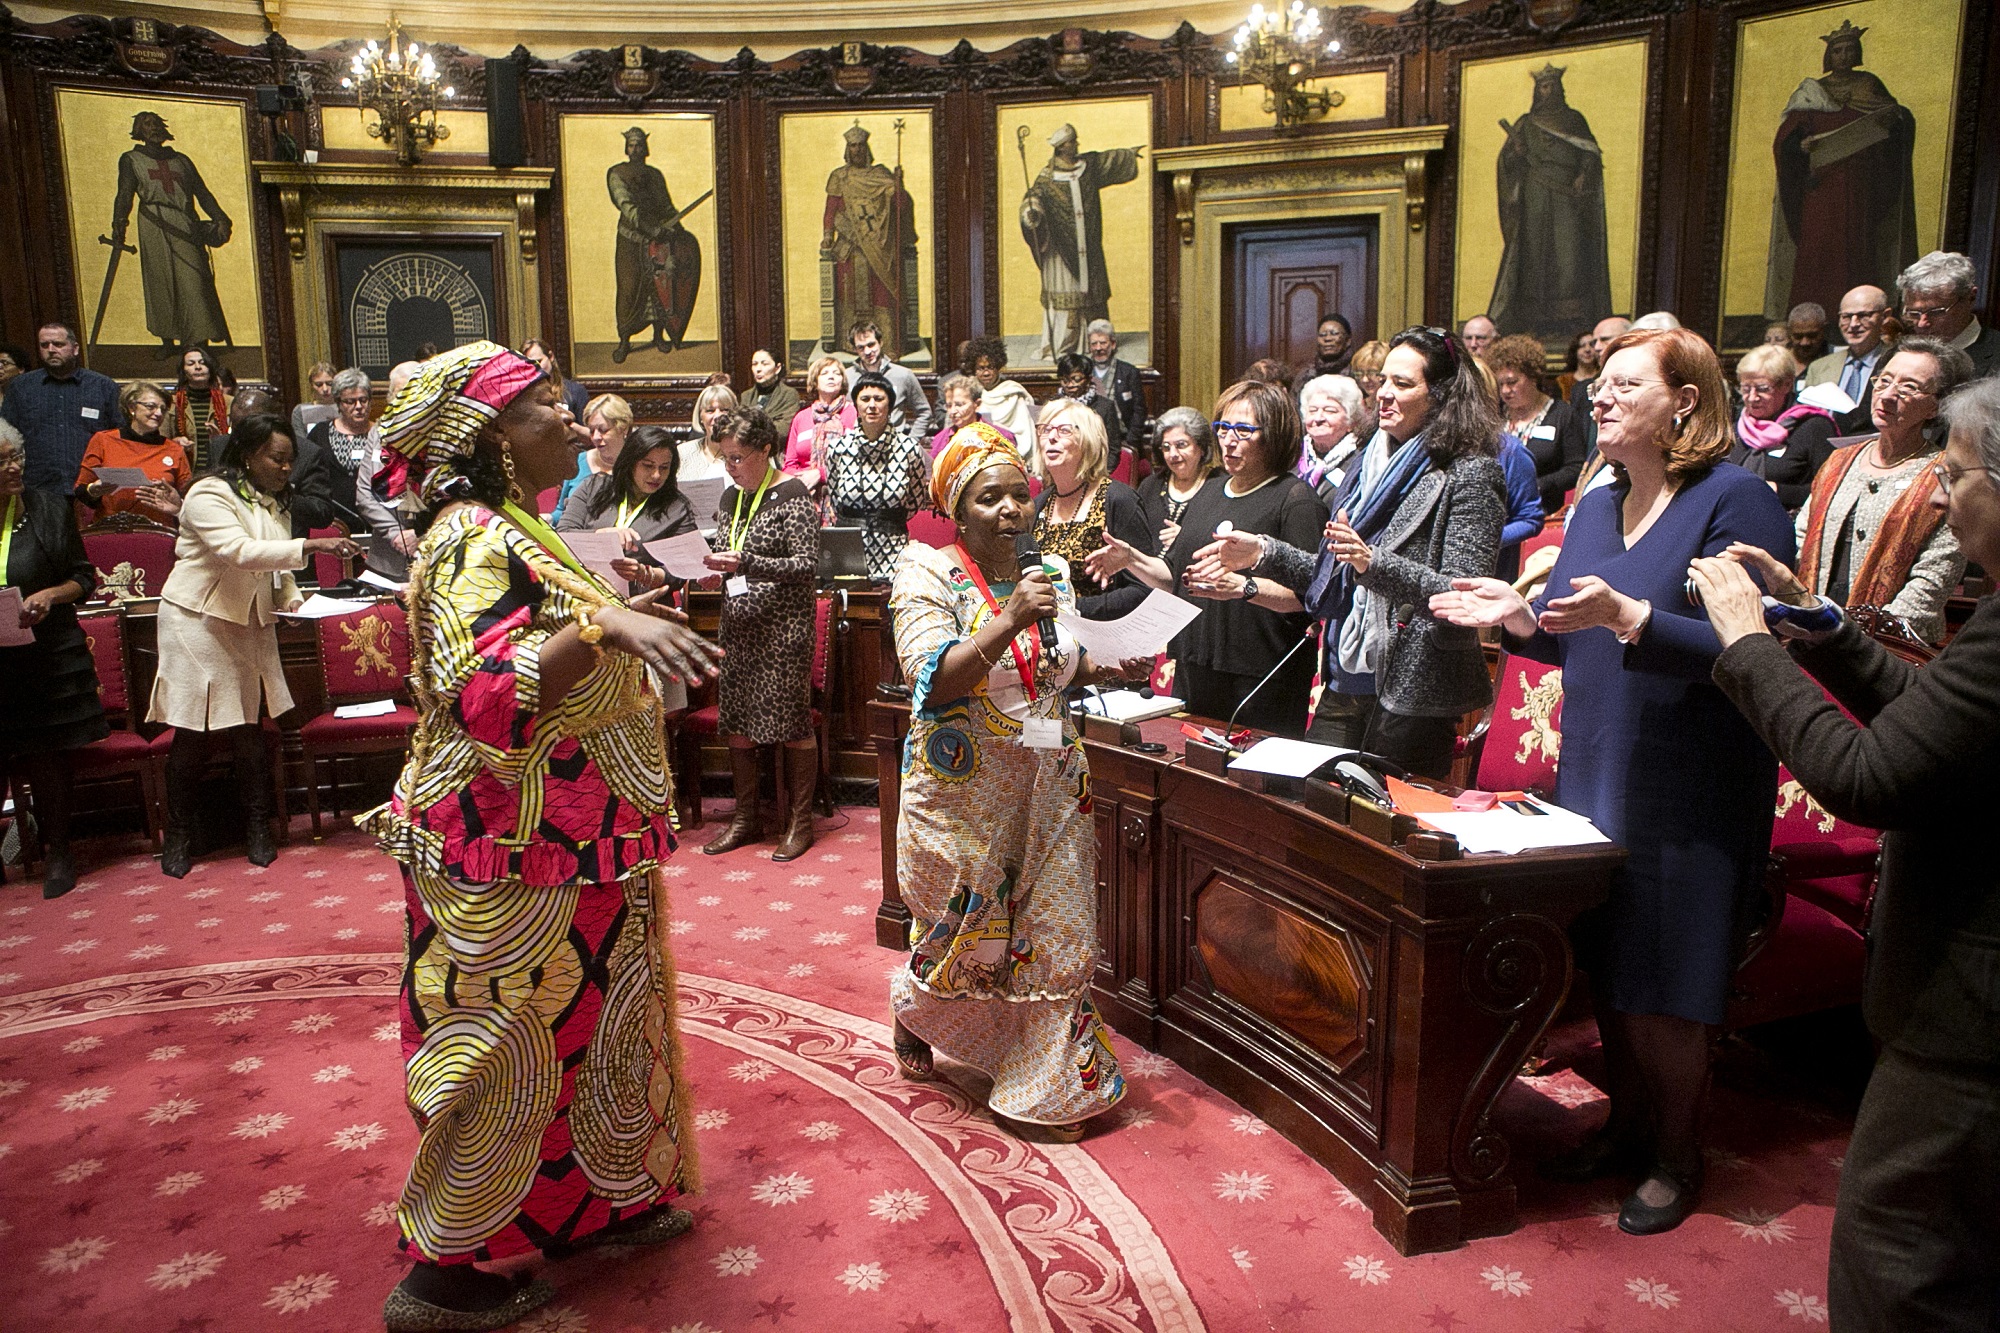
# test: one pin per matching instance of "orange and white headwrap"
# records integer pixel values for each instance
(438, 416)
(969, 452)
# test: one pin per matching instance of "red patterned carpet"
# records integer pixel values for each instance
(202, 1129)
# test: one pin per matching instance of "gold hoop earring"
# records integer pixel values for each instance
(507, 466)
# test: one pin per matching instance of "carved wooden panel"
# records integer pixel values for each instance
(1305, 977)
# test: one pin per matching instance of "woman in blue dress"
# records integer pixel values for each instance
(1651, 751)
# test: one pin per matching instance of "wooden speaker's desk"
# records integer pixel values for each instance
(1368, 1005)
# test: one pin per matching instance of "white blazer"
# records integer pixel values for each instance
(234, 558)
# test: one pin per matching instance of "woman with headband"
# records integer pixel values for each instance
(539, 1034)
(996, 856)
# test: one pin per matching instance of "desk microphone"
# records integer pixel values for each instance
(1229, 727)
(1029, 552)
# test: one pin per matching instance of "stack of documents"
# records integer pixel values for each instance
(1504, 829)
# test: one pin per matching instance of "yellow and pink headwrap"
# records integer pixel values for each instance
(438, 416)
(969, 452)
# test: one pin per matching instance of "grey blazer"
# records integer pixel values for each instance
(1448, 527)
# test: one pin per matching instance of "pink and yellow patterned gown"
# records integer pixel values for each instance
(996, 858)
(539, 1033)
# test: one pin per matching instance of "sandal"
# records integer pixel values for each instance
(913, 1053)
(404, 1313)
(1029, 1131)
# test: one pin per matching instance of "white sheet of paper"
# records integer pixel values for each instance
(124, 478)
(12, 633)
(379, 708)
(1504, 830)
(374, 580)
(1144, 631)
(597, 550)
(319, 607)
(682, 555)
(1286, 758)
(1130, 705)
(703, 496)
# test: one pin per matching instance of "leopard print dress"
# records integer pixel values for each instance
(767, 632)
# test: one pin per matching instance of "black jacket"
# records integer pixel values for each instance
(323, 490)
(1792, 466)
(1128, 397)
(1558, 446)
(1922, 763)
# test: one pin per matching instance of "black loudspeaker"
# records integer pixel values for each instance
(506, 146)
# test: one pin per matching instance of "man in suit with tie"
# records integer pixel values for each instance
(1863, 312)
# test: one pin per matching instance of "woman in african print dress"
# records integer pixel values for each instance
(996, 855)
(539, 1036)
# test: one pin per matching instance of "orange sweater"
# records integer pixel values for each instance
(165, 461)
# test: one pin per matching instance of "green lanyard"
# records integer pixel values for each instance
(626, 515)
(7, 535)
(739, 527)
(546, 535)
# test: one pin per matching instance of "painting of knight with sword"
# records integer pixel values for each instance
(179, 223)
(657, 260)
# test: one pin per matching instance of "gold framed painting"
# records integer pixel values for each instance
(640, 253)
(162, 230)
(1841, 112)
(1551, 158)
(1075, 226)
(858, 234)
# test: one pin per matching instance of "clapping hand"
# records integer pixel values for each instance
(1108, 559)
(1734, 605)
(1778, 579)
(1231, 552)
(1482, 604)
(1594, 602)
(1346, 544)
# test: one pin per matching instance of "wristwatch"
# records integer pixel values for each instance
(1249, 589)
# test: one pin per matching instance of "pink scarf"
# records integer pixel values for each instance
(1759, 434)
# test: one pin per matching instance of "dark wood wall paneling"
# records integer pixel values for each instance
(1690, 86)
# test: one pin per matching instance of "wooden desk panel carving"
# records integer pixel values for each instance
(1368, 1005)
(1303, 977)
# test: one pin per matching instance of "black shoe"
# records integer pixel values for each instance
(58, 874)
(1596, 1157)
(177, 854)
(621, 351)
(259, 845)
(1639, 1218)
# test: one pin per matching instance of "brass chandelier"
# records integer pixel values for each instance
(1281, 49)
(401, 84)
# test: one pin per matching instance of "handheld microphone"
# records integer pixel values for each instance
(1029, 552)
(1229, 727)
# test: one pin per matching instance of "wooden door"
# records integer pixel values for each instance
(1281, 278)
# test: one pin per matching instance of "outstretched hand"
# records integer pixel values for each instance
(1593, 603)
(1482, 604)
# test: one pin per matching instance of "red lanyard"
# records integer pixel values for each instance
(1024, 663)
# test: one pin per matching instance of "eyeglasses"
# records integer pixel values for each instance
(1242, 430)
(1924, 314)
(1947, 476)
(1058, 430)
(1888, 386)
(1862, 316)
(1622, 387)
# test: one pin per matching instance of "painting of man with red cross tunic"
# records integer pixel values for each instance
(179, 223)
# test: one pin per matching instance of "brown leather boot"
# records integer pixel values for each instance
(743, 825)
(801, 775)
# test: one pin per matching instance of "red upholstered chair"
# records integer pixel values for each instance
(330, 569)
(545, 503)
(1518, 746)
(1550, 535)
(933, 529)
(124, 753)
(698, 724)
(364, 657)
(1127, 462)
(132, 559)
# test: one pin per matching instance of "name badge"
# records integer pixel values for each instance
(1542, 432)
(90, 414)
(736, 586)
(1042, 733)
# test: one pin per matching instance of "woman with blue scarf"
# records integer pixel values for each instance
(1424, 506)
